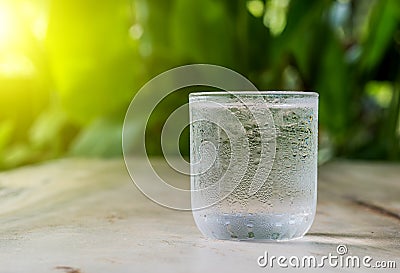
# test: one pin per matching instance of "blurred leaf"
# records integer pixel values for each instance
(383, 23)
(47, 127)
(103, 137)
(201, 31)
(275, 16)
(333, 82)
(18, 154)
(255, 7)
(392, 125)
(381, 92)
(302, 17)
(6, 130)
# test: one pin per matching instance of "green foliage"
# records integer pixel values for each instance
(205, 33)
(68, 92)
(383, 24)
(91, 60)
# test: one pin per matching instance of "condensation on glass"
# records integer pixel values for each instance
(254, 163)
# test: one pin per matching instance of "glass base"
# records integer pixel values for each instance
(265, 227)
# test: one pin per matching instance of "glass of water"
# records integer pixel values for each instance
(254, 163)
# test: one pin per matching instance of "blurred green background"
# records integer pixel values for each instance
(69, 68)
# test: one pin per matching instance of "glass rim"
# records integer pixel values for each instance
(255, 93)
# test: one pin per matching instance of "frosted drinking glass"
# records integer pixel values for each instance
(253, 163)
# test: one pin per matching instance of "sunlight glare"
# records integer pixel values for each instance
(6, 24)
(16, 64)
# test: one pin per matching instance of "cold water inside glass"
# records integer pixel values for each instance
(254, 163)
